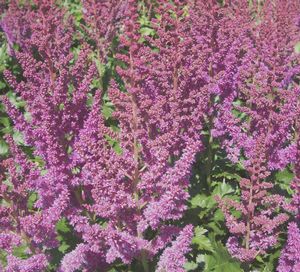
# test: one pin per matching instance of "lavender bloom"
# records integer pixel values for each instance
(290, 260)
(263, 128)
(54, 118)
(173, 259)
(36, 263)
(230, 69)
(104, 20)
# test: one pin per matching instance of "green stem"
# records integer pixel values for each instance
(246, 267)
(210, 154)
(136, 172)
(144, 261)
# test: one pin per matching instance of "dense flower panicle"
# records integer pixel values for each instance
(55, 94)
(266, 93)
(227, 69)
(220, 33)
(258, 226)
(173, 259)
(36, 263)
(289, 259)
(146, 183)
(259, 124)
(104, 20)
(75, 260)
(14, 193)
(15, 24)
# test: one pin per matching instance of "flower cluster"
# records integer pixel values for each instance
(257, 227)
(114, 159)
(289, 259)
(258, 126)
(54, 88)
(112, 198)
(138, 188)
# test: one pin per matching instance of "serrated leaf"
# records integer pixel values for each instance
(218, 216)
(2, 85)
(3, 147)
(114, 144)
(223, 189)
(220, 260)
(284, 176)
(63, 248)
(62, 226)
(227, 175)
(202, 242)
(18, 137)
(31, 200)
(3, 260)
(27, 116)
(5, 121)
(17, 102)
(147, 31)
(190, 266)
(107, 111)
(203, 201)
(20, 252)
(38, 160)
(297, 48)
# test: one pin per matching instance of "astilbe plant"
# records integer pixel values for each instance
(114, 200)
(265, 80)
(140, 191)
(220, 34)
(257, 226)
(121, 180)
(262, 134)
(16, 182)
(15, 24)
(289, 258)
(54, 87)
(103, 21)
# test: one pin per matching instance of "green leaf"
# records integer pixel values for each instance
(107, 111)
(203, 201)
(190, 266)
(3, 255)
(147, 31)
(27, 116)
(63, 247)
(223, 189)
(114, 144)
(284, 176)
(2, 85)
(5, 121)
(227, 175)
(31, 200)
(63, 226)
(18, 137)
(20, 252)
(297, 48)
(220, 260)
(3, 147)
(201, 240)
(38, 161)
(218, 216)
(283, 179)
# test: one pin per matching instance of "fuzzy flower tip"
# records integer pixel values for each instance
(37, 263)
(173, 258)
(290, 258)
(75, 259)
